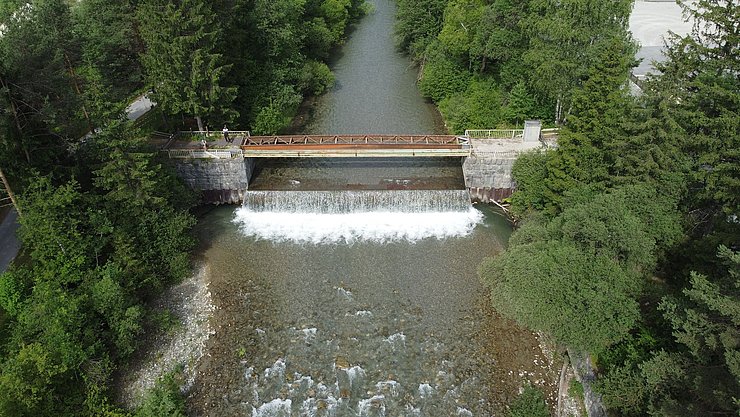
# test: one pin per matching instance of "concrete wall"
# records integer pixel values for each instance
(488, 177)
(221, 181)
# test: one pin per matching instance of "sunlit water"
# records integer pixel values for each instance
(349, 287)
(357, 216)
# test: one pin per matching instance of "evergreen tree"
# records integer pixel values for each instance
(39, 87)
(564, 38)
(702, 75)
(182, 62)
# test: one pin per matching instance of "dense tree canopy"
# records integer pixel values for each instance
(537, 53)
(105, 224)
(638, 206)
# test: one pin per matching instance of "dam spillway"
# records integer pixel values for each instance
(324, 217)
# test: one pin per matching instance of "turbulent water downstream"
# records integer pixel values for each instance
(349, 287)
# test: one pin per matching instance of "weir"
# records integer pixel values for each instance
(338, 202)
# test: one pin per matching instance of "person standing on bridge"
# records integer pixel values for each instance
(226, 134)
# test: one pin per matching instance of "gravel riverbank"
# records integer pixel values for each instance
(190, 304)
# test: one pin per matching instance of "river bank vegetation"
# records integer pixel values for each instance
(105, 224)
(630, 235)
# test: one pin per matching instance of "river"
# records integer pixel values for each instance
(348, 287)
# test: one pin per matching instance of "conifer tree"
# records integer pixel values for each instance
(182, 62)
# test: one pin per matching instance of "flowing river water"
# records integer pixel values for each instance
(348, 287)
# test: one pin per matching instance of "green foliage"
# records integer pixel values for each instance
(565, 39)
(461, 18)
(417, 24)
(14, 286)
(530, 403)
(316, 78)
(576, 390)
(99, 249)
(165, 398)
(441, 77)
(584, 300)
(530, 171)
(106, 32)
(479, 107)
(269, 121)
(520, 105)
(182, 62)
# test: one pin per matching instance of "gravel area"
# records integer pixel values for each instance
(190, 303)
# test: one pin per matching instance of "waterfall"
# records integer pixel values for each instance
(340, 202)
(325, 217)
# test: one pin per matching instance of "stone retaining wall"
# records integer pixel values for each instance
(488, 177)
(221, 181)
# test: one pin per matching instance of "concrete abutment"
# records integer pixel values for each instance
(220, 180)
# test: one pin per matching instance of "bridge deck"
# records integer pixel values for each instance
(354, 145)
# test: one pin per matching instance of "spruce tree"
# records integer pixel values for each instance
(182, 62)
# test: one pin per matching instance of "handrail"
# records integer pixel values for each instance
(204, 154)
(494, 133)
(212, 133)
(498, 154)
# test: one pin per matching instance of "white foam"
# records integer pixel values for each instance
(396, 337)
(425, 390)
(346, 294)
(275, 408)
(380, 227)
(375, 404)
(277, 370)
(354, 373)
(389, 387)
(309, 334)
(464, 412)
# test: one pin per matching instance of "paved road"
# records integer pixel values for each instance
(9, 244)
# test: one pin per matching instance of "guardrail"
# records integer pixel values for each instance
(207, 134)
(498, 154)
(495, 133)
(204, 154)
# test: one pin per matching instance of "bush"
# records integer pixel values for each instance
(165, 399)
(316, 78)
(530, 403)
(478, 107)
(441, 77)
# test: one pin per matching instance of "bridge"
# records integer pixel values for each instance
(222, 170)
(243, 144)
(189, 145)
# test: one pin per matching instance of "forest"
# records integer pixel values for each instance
(629, 238)
(104, 222)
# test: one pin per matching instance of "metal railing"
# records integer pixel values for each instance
(498, 154)
(495, 133)
(196, 135)
(352, 140)
(204, 154)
